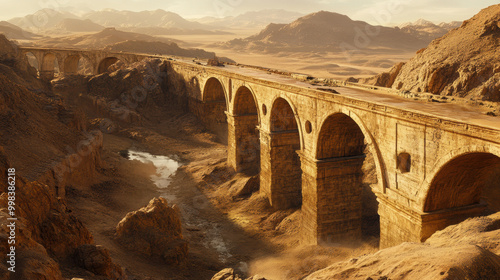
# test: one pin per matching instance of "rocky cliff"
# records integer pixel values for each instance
(44, 140)
(464, 62)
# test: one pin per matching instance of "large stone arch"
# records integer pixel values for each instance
(213, 90)
(50, 65)
(32, 62)
(463, 184)
(244, 136)
(281, 173)
(105, 63)
(371, 147)
(86, 66)
(71, 64)
(340, 202)
(212, 108)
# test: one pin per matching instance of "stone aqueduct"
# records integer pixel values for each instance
(312, 147)
(68, 60)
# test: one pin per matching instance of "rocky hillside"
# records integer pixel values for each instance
(77, 25)
(39, 137)
(100, 39)
(161, 48)
(14, 32)
(327, 31)
(463, 63)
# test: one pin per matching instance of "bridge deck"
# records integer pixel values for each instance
(475, 115)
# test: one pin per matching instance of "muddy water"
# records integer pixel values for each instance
(166, 167)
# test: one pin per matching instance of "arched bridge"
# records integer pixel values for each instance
(70, 61)
(355, 161)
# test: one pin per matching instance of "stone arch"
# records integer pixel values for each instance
(371, 146)
(213, 91)
(85, 66)
(50, 66)
(460, 181)
(347, 204)
(285, 172)
(71, 64)
(32, 61)
(245, 102)
(212, 110)
(105, 63)
(283, 116)
(246, 136)
(340, 136)
(463, 185)
(426, 185)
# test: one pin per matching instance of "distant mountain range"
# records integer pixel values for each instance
(327, 31)
(98, 40)
(158, 18)
(252, 20)
(427, 30)
(157, 22)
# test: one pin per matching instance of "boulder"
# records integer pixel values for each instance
(154, 231)
(96, 259)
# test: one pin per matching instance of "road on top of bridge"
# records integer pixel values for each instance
(454, 111)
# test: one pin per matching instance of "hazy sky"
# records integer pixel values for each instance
(384, 12)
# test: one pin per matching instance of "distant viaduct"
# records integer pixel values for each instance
(433, 164)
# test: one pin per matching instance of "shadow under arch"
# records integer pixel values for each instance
(32, 62)
(71, 65)
(465, 183)
(211, 110)
(245, 134)
(50, 66)
(348, 164)
(281, 174)
(105, 63)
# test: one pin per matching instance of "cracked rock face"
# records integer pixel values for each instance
(154, 231)
(462, 63)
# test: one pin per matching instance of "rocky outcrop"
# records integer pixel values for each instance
(462, 63)
(46, 231)
(229, 274)
(385, 79)
(96, 259)
(48, 151)
(127, 94)
(154, 231)
(8, 51)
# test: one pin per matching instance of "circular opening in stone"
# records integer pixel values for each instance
(264, 109)
(308, 127)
